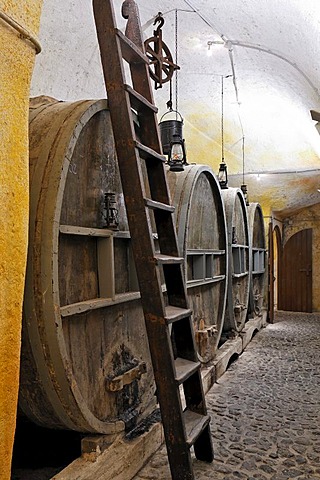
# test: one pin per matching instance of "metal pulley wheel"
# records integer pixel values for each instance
(161, 65)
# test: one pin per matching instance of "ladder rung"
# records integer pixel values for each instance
(195, 423)
(139, 102)
(130, 52)
(168, 259)
(147, 153)
(185, 368)
(174, 314)
(158, 205)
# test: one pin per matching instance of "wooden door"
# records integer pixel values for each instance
(296, 273)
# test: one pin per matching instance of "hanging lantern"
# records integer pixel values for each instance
(244, 189)
(223, 175)
(177, 157)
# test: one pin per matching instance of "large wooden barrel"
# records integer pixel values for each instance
(85, 358)
(202, 238)
(258, 271)
(239, 260)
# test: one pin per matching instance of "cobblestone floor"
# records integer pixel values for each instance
(265, 409)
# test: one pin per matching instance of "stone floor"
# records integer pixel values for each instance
(265, 409)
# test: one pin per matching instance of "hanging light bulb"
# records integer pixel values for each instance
(223, 175)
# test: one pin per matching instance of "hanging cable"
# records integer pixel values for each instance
(169, 102)
(222, 114)
(176, 47)
(261, 48)
(243, 159)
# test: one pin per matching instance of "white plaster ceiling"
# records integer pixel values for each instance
(271, 49)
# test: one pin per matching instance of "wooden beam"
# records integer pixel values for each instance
(119, 461)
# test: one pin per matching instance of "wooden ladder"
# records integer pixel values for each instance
(174, 358)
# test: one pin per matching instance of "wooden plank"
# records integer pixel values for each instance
(77, 257)
(197, 283)
(195, 425)
(120, 461)
(174, 314)
(201, 251)
(89, 232)
(82, 307)
(168, 259)
(130, 52)
(106, 268)
(239, 275)
(138, 102)
(185, 368)
(158, 205)
(148, 153)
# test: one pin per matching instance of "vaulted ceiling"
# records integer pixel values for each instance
(266, 52)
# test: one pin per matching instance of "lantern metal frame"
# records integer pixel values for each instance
(177, 165)
(223, 175)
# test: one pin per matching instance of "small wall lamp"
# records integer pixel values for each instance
(111, 211)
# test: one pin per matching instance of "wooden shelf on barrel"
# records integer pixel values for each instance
(258, 260)
(204, 267)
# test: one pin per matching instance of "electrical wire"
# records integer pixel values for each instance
(243, 160)
(229, 44)
(25, 34)
(269, 51)
(258, 47)
(176, 47)
(279, 172)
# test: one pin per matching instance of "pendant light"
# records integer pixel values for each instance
(173, 143)
(223, 169)
(244, 187)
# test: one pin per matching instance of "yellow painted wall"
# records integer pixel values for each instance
(16, 66)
